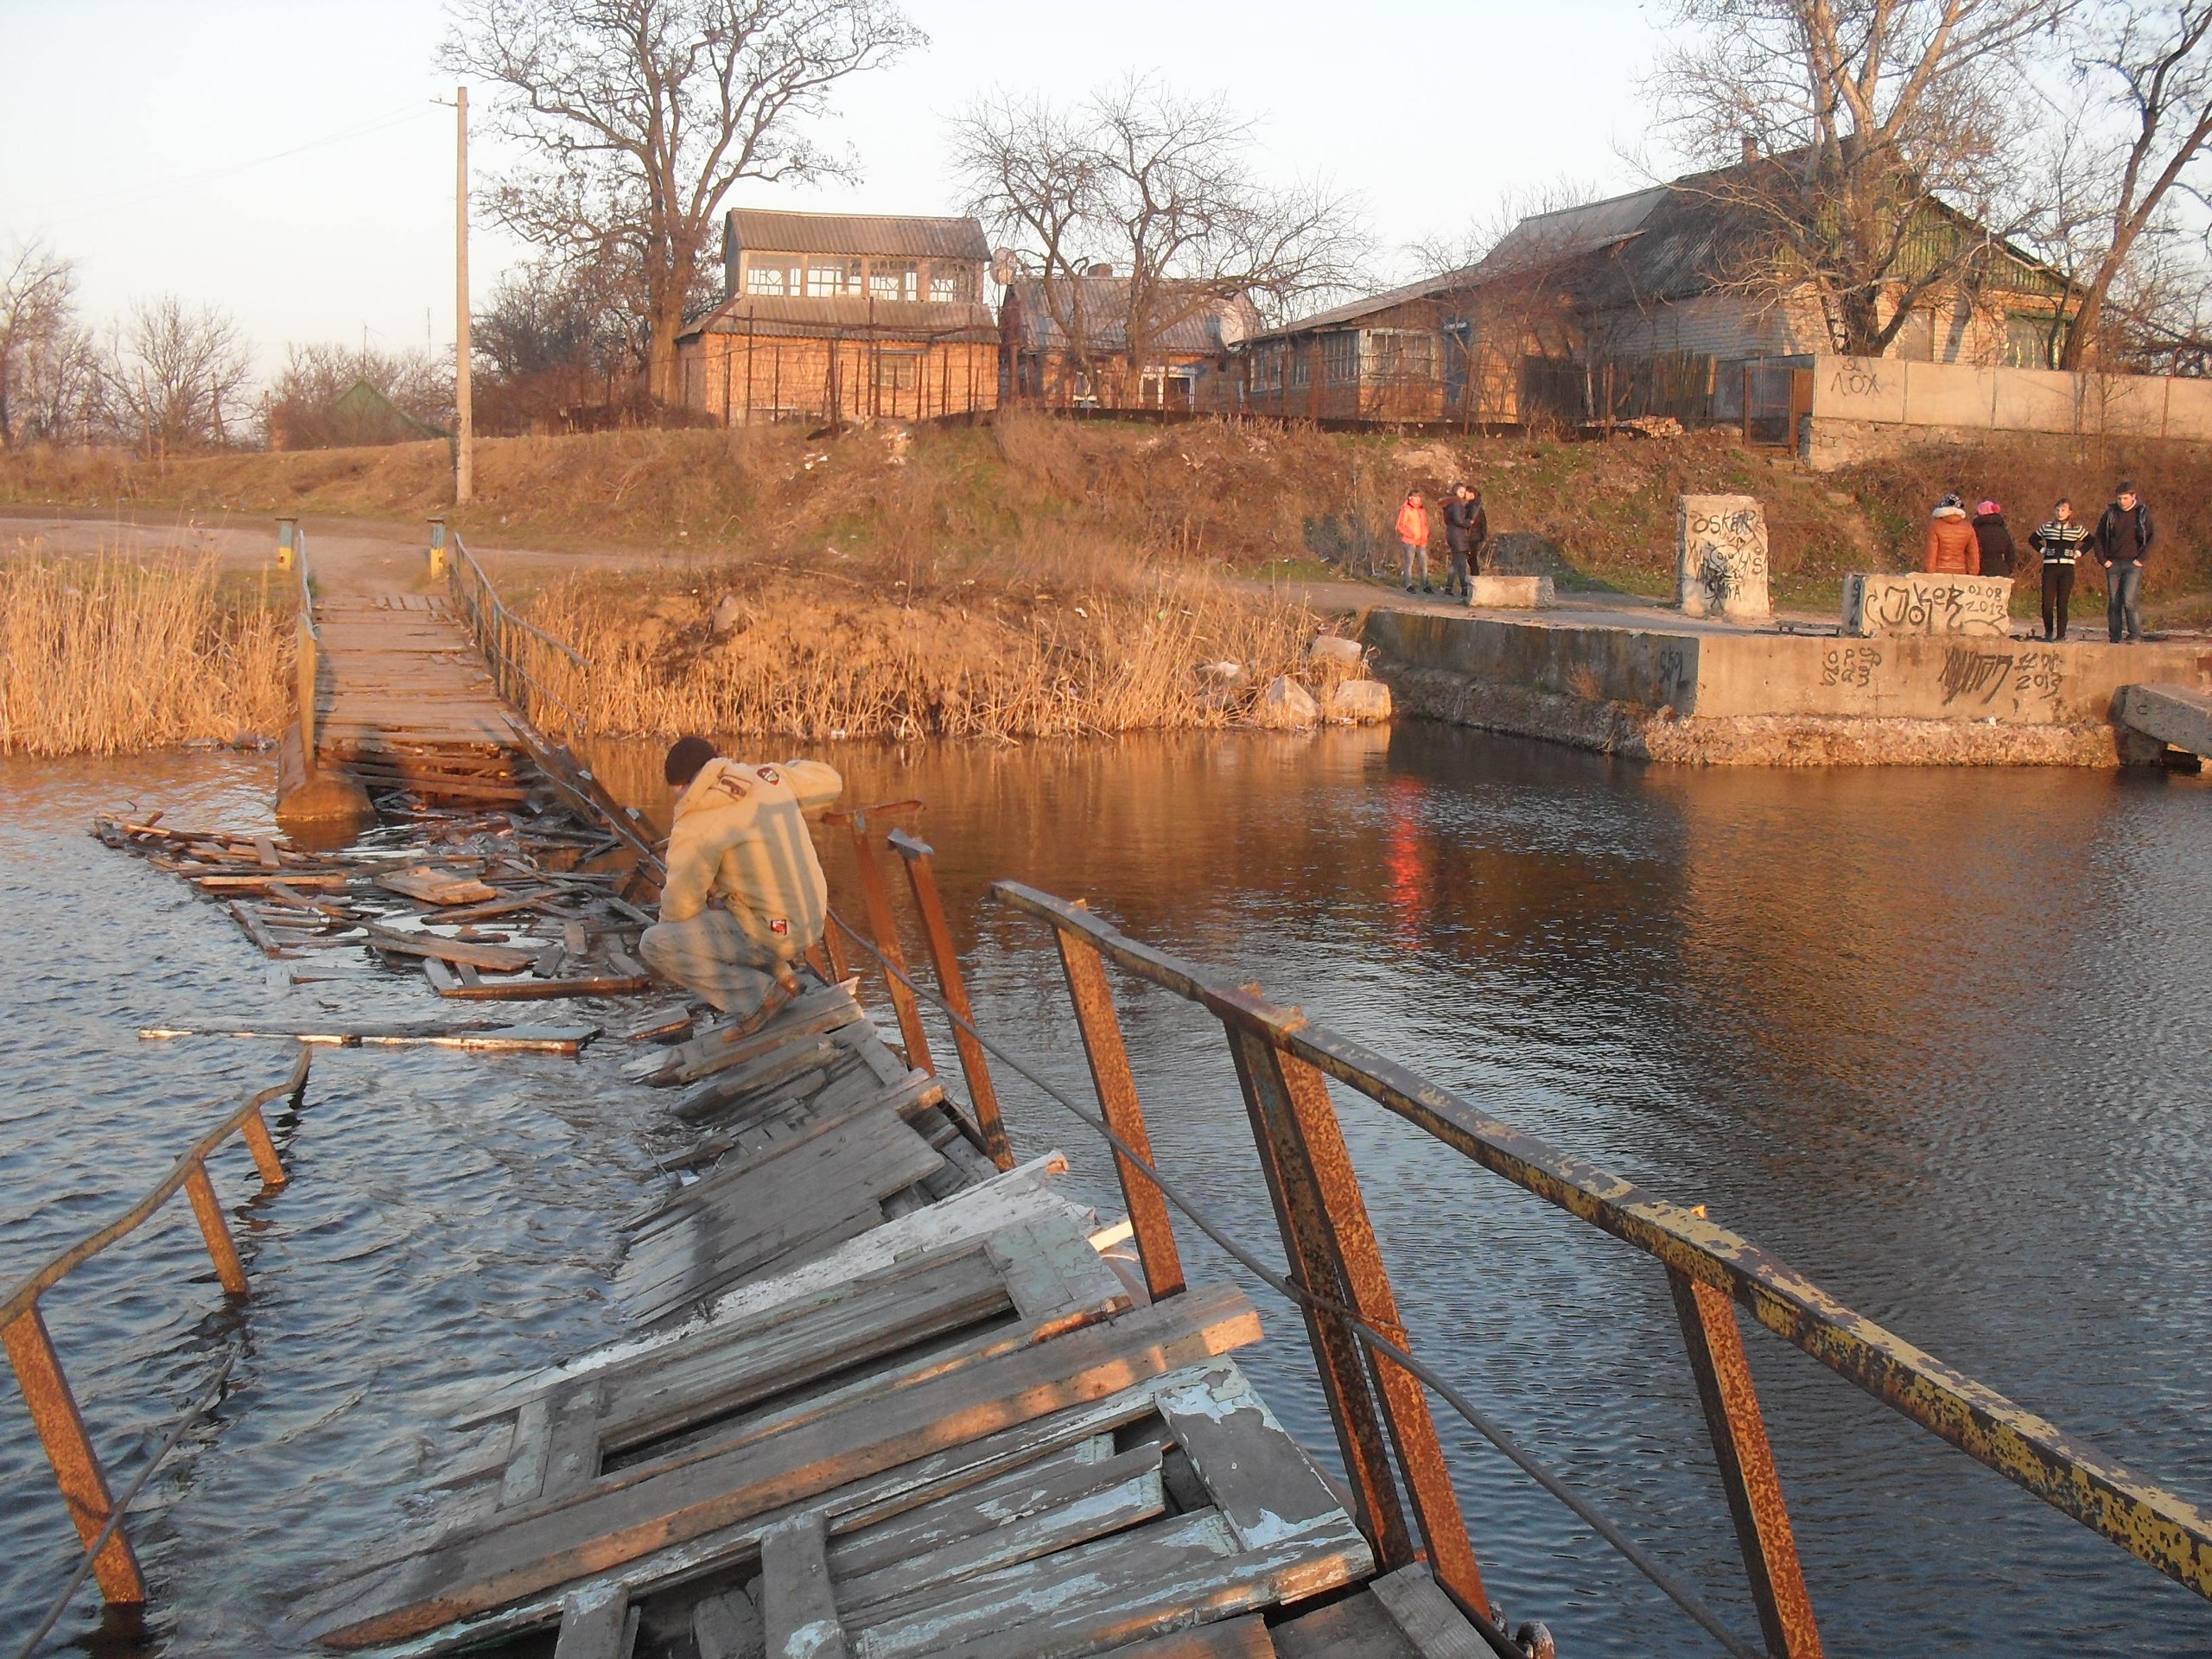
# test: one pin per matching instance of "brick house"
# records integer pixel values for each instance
(844, 316)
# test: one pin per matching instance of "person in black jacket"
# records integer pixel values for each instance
(2122, 542)
(1466, 527)
(1996, 538)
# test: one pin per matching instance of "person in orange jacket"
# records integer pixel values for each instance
(1952, 549)
(1413, 533)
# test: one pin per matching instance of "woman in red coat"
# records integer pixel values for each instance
(1953, 549)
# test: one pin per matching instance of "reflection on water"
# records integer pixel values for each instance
(1933, 1037)
(1936, 1038)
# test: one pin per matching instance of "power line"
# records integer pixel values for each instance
(167, 187)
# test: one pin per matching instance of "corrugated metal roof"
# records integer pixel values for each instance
(1428, 287)
(885, 236)
(1571, 231)
(763, 313)
(1212, 326)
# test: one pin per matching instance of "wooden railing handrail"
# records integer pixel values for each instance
(26, 1293)
(2156, 1525)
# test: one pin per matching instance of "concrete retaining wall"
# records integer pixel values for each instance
(1745, 697)
(1866, 406)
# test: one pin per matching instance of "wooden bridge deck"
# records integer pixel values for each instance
(399, 669)
(884, 1400)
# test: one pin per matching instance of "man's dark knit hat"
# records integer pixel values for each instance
(685, 756)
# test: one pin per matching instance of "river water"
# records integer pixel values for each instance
(1937, 1039)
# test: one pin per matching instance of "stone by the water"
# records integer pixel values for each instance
(1916, 601)
(1720, 557)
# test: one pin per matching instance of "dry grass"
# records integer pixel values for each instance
(1053, 503)
(107, 656)
(826, 659)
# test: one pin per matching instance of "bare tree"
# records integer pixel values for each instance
(639, 116)
(60, 387)
(176, 378)
(1161, 188)
(2153, 60)
(1854, 124)
(306, 406)
(36, 289)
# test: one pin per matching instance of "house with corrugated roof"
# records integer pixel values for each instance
(835, 317)
(1658, 302)
(1103, 340)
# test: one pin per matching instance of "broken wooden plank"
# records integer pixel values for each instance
(1426, 1617)
(500, 958)
(727, 1626)
(1075, 1510)
(1233, 1638)
(796, 1610)
(862, 1503)
(811, 1014)
(429, 885)
(596, 1626)
(1259, 1477)
(1014, 1196)
(481, 1037)
(621, 1519)
(539, 990)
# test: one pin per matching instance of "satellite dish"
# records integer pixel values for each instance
(1006, 265)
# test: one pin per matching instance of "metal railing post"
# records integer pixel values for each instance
(220, 1245)
(1715, 1342)
(1301, 1120)
(921, 876)
(288, 531)
(437, 554)
(877, 900)
(69, 1449)
(1302, 1224)
(1149, 1221)
(263, 1147)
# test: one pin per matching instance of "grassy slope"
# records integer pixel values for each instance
(1037, 503)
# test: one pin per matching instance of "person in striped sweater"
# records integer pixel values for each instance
(2059, 539)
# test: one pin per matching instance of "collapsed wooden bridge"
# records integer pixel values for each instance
(888, 1392)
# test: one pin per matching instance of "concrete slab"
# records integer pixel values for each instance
(1508, 593)
(1721, 564)
(1877, 603)
(2179, 716)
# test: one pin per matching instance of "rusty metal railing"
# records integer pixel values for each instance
(881, 940)
(307, 647)
(1283, 1064)
(31, 1349)
(519, 654)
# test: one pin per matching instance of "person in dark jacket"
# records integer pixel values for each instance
(1466, 527)
(1995, 537)
(2122, 543)
(2059, 539)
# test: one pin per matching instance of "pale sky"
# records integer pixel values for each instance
(145, 141)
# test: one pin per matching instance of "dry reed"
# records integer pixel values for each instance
(815, 659)
(106, 656)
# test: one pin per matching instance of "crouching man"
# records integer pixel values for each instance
(745, 898)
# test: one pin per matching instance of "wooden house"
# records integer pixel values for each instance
(1065, 342)
(1634, 305)
(834, 317)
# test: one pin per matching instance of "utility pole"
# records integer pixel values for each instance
(464, 437)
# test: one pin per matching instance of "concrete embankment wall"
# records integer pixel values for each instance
(1866, 407)
(1731, 697)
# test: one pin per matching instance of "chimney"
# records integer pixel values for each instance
(1751, 149)
(1101, 268)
